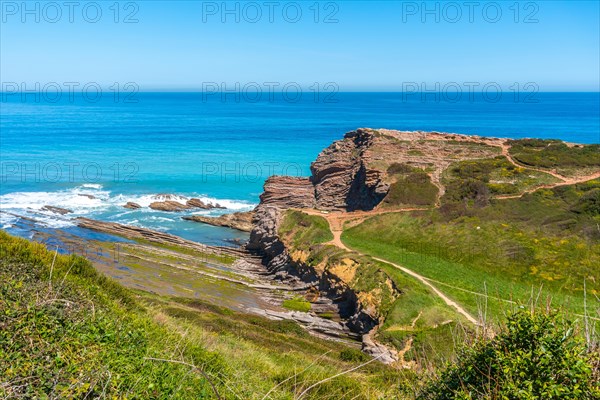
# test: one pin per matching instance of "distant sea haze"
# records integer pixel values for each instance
(222, 148)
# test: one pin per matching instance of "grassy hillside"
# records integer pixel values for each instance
(410, 311)
(68, 332)
(508, 248)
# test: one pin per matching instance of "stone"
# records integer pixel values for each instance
(56, 210)
(169, 205)
(241, 221)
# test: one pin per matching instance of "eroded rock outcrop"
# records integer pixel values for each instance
(168, 205)
(241, 221)
(288, 192)
(56, 210)
(197, 203)
(343, 178)
(132, 206)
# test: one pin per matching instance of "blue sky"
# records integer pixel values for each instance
(373, 46)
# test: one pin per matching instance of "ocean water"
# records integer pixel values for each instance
(222, 149)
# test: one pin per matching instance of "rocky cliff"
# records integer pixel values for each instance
(342, 179)
(342, 176)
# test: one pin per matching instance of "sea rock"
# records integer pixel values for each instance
(135, 232)
(56, 210)
(89, 196)
(241, 221)
(288, 192)
(132, 206)
(167, 197)
(197, 203)
(169, 205)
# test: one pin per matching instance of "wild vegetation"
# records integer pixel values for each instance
(69, 332)
(497, 254)
(536, 355)
(555, 154)
(411, 186)
(408, 311)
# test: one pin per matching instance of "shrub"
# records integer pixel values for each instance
(537, 356)
(414, 188)
(589, 203)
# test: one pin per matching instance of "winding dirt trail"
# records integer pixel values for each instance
(336, 220)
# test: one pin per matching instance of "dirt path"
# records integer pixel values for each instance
(336, 220)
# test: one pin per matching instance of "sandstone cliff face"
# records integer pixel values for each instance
(329, 277)
(342, 179)
(288, 192)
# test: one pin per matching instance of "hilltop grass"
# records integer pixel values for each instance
(508, 250)
(411, 187)
(68, 332)
(555, 154)
(498, 174)
(305, 229)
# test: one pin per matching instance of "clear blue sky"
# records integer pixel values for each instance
(374, 45)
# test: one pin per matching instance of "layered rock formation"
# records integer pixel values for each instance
(132, 206)
(288, 192)
(241, 221)
(56, 210)
(171, 202)
(342, 179)
(342, 176)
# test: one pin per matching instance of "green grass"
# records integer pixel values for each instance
(304, 229)
(507, 249)
(297, 304)
(498, 174)
(555, 154)
(69, 332)
(397, 300)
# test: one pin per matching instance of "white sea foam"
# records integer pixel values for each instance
(91, 200)
(7, 220)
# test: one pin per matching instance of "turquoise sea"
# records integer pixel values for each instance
(222, 149)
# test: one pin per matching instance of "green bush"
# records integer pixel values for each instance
(413, 186)
(537, 356)
(552, 154)
(589, 203)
